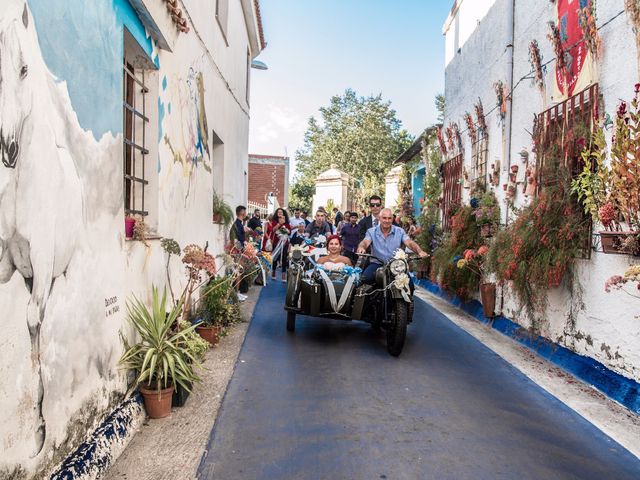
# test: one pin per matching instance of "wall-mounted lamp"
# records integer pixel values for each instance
(258, 65)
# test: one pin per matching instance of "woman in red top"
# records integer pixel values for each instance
(278, 231)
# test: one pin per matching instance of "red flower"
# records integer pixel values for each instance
(622, 109)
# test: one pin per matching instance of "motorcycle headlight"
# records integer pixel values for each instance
(397, 267)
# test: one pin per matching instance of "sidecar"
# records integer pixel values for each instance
(315, 292)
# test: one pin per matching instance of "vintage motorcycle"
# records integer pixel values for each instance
(387, 305)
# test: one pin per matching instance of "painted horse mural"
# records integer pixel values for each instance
(40, 189)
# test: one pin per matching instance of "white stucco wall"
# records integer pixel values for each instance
(462, 23)
(391, 193)
(607, 329)
(71, 207)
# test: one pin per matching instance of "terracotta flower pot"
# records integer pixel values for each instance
(514, 168)
(210, 334)
(157, 404)
(488, 296)
(217, 218)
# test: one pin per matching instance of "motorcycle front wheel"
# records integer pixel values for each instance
(397, 331)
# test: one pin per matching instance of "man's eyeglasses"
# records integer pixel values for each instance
(375, 204)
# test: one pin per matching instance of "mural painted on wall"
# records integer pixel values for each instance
(182, 107)
(56, 201)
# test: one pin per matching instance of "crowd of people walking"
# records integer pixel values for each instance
(278, 232)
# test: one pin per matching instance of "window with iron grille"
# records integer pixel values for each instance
(452, 188)
(479, 150)
(560, 131)
(559, 135)
(136, 125)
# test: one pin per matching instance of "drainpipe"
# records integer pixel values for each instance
(510, 39)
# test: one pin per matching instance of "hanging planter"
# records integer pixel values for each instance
(620, 243)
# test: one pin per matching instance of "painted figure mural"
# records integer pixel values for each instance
(40, 249)
(42, 207)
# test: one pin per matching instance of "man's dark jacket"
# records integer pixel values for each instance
(365, 224)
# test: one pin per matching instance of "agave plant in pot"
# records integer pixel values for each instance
(161, 357)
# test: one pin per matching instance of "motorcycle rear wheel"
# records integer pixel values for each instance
(397, 331)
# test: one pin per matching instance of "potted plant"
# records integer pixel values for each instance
(473, 261)
(625, 173)
(537, 250)
(464, 235)
(487, 215)
(200, 267)
(129, 223)
(161, 357)
(198, 346)
(611, 192)
(213, 308)
(222, 212)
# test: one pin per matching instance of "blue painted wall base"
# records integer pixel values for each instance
(612, 384)
(99, 451)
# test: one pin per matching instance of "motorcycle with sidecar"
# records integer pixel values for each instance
(386, 305)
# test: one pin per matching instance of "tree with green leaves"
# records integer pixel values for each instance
(440, 105)
(359, 135)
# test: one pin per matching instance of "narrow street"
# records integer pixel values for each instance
(328, 402)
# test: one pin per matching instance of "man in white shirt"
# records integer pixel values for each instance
(296, 220)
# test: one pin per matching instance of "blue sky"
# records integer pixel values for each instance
(316, 49)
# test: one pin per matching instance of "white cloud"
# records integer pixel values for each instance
(276, 129)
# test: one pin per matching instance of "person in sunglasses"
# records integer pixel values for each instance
(371, 220)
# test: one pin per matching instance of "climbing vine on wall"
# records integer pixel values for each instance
(592, 40)
(556, 42)
(633, 11)
(471, 127)
(441, 142)
(482, 121)
(502, 97)
(535, 60)
(429, 221)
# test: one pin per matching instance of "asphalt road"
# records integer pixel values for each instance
(328, 402)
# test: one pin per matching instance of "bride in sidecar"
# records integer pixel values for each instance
(334, 261)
